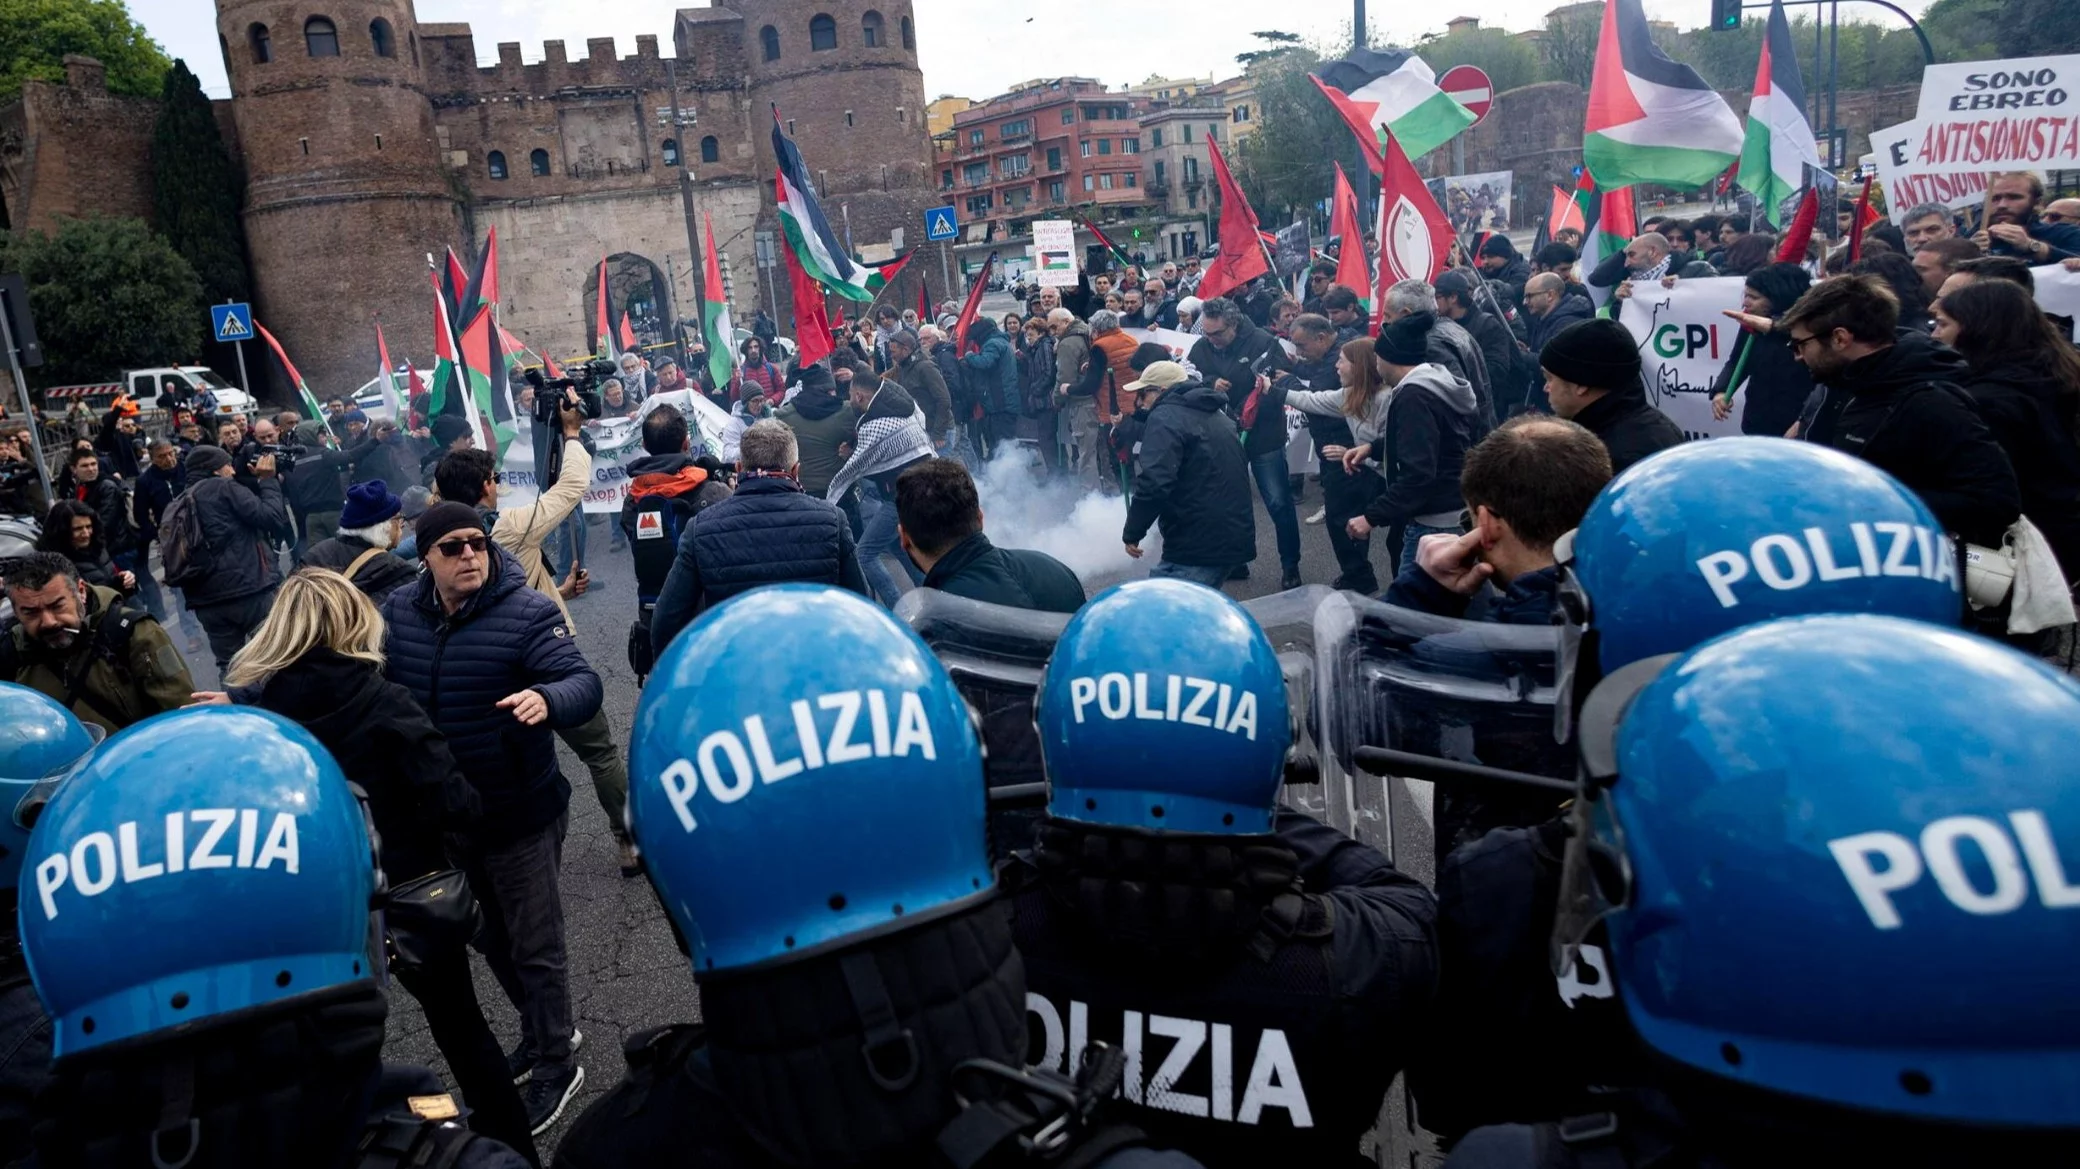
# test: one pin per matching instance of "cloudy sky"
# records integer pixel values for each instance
(971, 47)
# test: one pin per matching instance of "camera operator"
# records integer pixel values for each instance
(311, 481)
(21, 493)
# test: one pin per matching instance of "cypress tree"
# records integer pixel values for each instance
(195, 190)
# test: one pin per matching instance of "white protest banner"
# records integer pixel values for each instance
(1685, 338)
(1178, 343)
(1893, 149)
(2058, 293)
(1997, 116)
(1054, 253)
(616, 442)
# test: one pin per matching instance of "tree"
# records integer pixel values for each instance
(1275, 42)
(1507, 60)
(195, 190)
(1286, 165)
(35, 35)
(109, 295)
(1569, 43)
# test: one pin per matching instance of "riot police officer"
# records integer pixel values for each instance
(1260, 970)
(40, 743)
(1832, 855)
(1688, 544)
(807, 795)
(196, 918)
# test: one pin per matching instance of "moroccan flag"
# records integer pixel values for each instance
(1650, 119)
(1394, 88)
(1414, 235)
(813, 340)
(715, 322)
(808, 233)
(1242, 253)
(310, 400)
(973, 305)
(1779, 145)
(479, 353)
(386, 381)
(1350, 254)
(602, 318)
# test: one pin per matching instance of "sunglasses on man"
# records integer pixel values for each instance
(452, 549)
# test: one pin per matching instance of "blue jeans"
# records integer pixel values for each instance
(879, 539)
(1412, 536)
(1212, 578)
(1276, 487)
(566, 545)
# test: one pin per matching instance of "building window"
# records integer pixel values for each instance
(320, 38)
(769, 39)
(975, 137)
(1213, 131)
(1016, 165)
(1133, 179)
(1016, 129)
(1069, 116)
(1191, 200)
(1105, 182)
(1085, 147)
(1191, 170)
(496, 163)
(1187, 133)
(1104, 146)
(848, 118)
(975, 173)
(823, 33)
(870, 29)
(711, 150)
(1156, 137)
(1130, 146)
(1241, 114)
(1161, 170)
(538, 162)
(946, 178)
(902, 117)
(382, 38)
(1090, 182)
(670, 149)
(263, 49)
(909, 37)
(1057, 191)
(1054, 158)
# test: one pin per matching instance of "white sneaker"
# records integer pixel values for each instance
(1318, 514)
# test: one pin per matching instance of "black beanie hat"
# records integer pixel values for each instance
(1780, 284)
(447, 428)
(440, 519)
(1404, 342)
(1598, 353)
(205, 460)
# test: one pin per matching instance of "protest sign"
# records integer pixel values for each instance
(1294, 251)
(1475, 202)
(1992, 116)
(616, 442)
(1054, 253)
(2058, 294)
(1685, 338)
(1894, 150)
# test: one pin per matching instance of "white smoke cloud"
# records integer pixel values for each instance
(1056, 516)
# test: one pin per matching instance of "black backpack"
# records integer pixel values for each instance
(665, 504)
(184, 549)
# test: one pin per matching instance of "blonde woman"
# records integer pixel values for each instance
(318, 660)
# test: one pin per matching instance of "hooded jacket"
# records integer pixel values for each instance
(1193, 479)
(1908, 415)
(383, 742)
(821, 419)
(505, 638)
(1629, 427)
(1432, 418)
(993, 369)
(1541, 329)
(236, 524)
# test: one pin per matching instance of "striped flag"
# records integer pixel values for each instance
(386, 381)
(448, 375)
(602, 318)
(1393, 88)
(303, 392)
(715, 322)
(480, 357)
(1106, 241)
(808, 233)
(1650, 119)
(1779, 144)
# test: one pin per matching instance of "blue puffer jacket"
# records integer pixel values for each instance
(505, 639)
(993, 370)
(769, 532)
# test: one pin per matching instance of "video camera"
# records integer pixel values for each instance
(285, 455)
(582, 378)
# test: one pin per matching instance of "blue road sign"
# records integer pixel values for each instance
(939, 224)
(231, 322)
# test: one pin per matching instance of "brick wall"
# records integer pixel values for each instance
(76, 151)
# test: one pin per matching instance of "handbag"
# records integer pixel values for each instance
(428, 916)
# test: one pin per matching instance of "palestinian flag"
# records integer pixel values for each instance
(880, 276)
(715, 322)
(385, 379)
(602, 318)
(808, 233)
(1370, 87)
(482, 289)
(1350, 253)
(813, 338)
(440, 401)
(481, 356)
(1612, 222)
(303, 392)
(1106, 242)
(1780, 142)
(1650, 119)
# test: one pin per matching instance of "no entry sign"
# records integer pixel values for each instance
(1470, 87)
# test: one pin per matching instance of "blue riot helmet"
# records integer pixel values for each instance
(804, 775)
(202, 862)
(1837, 863)
(1710, 536)
(40, 742)
(1163, 707)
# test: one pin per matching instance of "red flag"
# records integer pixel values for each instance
(628, 335)
(1368, 139)
(1861, 221)
(924, 303)
(973, 305)
(1350, 254)
(1800, 233)
(601, 318)
(483, 287)
(1242, 253)
(1565, 213)
(1414, 235)
(813, 340)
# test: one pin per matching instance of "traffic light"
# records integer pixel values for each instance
(1726, 14)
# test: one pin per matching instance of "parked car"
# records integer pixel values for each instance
(147, 386)
(369, 398)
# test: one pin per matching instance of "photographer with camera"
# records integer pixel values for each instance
(311, 481)
(21, 492)
(229, 576)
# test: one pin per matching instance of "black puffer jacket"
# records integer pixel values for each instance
(1253, 351)
(1908, 415)
(1629, 427)
(506, 638)
(1433, 421)
(236, 523)
(769, 532)
(981, 571)
(112, 504)
(2021, 407)
(383, 742)
(1191, 478)
(383, 574)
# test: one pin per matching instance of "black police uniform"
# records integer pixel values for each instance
(25, 1042)
(1508, 1041)
(1259, 1030)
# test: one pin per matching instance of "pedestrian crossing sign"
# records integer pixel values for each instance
(231, 322)
(939, 223)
